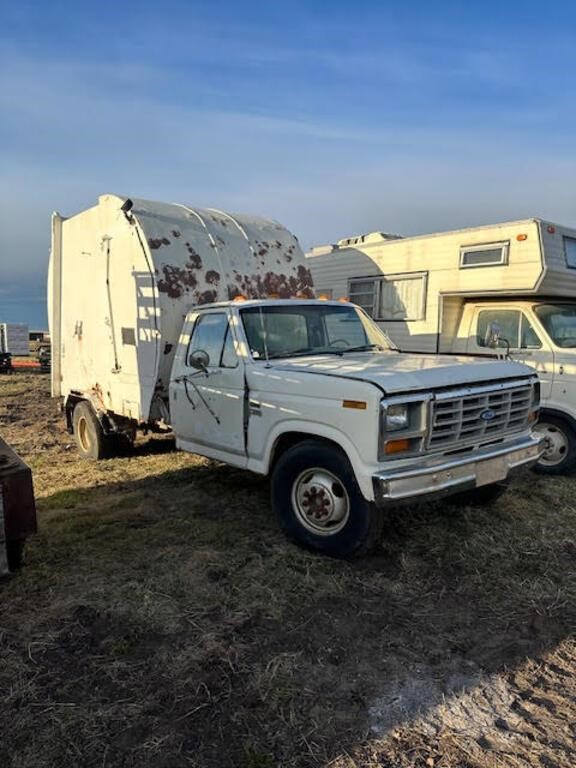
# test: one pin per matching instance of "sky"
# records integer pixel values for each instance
(334, 118)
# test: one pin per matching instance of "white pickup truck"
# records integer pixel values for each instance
(309, 392)
(313, 394)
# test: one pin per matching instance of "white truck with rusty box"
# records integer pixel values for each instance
(166, 316)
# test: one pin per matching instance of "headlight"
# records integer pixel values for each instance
(403, 424)
(396, 417)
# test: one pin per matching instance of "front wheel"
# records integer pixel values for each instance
(560, 455)
(319, 504)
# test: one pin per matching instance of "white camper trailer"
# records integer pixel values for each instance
(442, 292)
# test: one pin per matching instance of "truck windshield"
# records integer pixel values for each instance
(559, 321)
(288, 330)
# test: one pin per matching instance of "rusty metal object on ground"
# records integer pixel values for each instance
(17, 507)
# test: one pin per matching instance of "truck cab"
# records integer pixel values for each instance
(542, 334)
(315, 395)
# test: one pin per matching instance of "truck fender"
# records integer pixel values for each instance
(307, 430)
(559, 414)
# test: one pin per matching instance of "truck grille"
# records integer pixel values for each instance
(465, 417)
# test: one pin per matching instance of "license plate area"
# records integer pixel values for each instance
(491, 471)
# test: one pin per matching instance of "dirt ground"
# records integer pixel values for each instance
(161, 620)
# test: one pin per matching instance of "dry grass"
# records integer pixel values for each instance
(162, 620)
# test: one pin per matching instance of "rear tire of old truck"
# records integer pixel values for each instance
(319, 504)
(560, 456)
(90, 438)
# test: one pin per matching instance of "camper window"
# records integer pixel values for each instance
(362, 293)
(570, 251)
(488, 255)
(402, 297)
(515, 329)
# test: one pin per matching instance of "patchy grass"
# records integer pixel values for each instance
(161, 620)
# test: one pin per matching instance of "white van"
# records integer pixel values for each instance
(441, 292)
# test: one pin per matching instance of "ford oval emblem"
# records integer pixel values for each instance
(487, 415)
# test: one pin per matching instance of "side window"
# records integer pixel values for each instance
(229, 356)
(529, 339)
(514, 327)
(209, 334)
(402, 297)
(507, 319)
(362, 293)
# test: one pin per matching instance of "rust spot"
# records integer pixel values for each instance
(288, 257)
(157, 242)
(212, 277)
(168, 348)
(178, 280)
(176, 233)
(262, 252)
(220, 240)
(207, 297)
(278, 244)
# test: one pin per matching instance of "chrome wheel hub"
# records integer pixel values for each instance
(556, 442)
(320, 502)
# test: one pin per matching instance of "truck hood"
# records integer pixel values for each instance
(399, 372)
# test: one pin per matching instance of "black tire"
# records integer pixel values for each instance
(90, 438)
(361, 527)
(484, 496)
(561, 460)
(15, 553)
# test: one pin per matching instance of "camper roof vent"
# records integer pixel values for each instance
(320, 250)
(371, 237)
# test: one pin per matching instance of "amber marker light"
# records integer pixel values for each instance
(359, 405)
(397, 446)
(550, 229)
(239, 298)
(521, 237)
(322, 297)
(343, 298)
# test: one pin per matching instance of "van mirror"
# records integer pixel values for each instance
(492, 337)
(199, 359)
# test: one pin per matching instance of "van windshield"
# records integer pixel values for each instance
(312, 329)
(559, 321)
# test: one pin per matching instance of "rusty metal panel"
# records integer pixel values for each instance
(144, 268)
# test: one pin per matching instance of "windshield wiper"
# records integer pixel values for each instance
(364, 348)
(308, 351)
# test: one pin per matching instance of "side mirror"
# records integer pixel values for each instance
(492, 337)
(199, 359)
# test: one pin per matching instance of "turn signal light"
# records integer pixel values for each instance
(397, 446)
(360, 405)
(521, 237)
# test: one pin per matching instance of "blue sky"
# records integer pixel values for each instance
(335, 118)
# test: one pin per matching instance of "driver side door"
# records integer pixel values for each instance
(528, 344)
(207, 405)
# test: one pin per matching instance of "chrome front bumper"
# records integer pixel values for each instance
(444, 475)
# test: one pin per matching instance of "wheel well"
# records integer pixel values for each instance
(559, 415)
(72, 401)
(289, 439)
